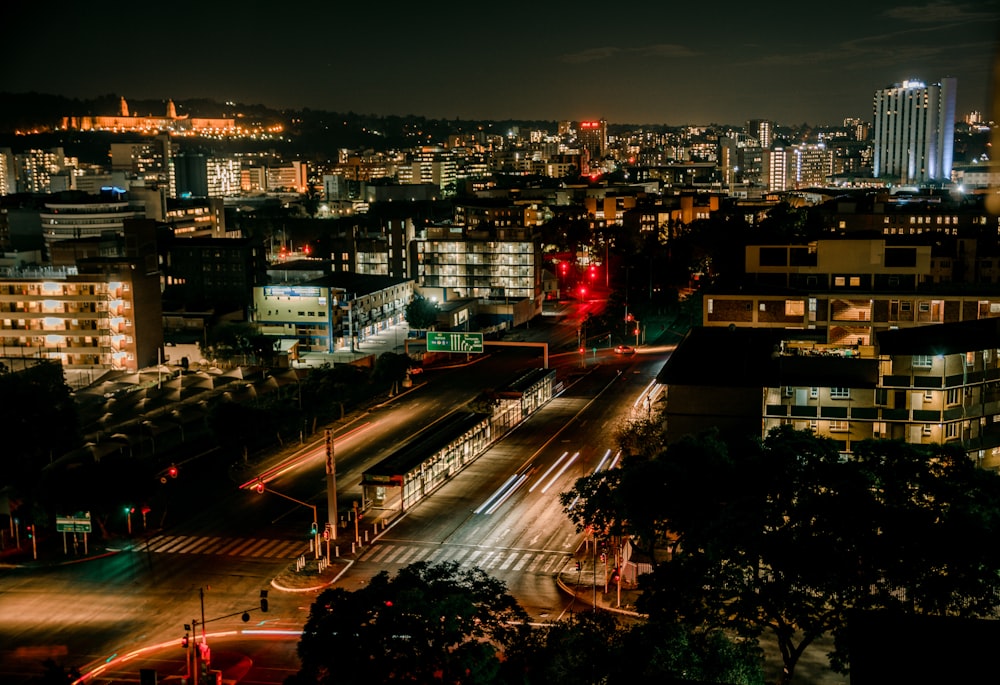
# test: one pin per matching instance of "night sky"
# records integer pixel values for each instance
(657, 62)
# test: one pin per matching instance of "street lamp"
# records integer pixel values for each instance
(259, 488)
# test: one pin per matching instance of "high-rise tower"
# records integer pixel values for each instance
(915, 131)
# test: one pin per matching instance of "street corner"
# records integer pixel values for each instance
(308, 575)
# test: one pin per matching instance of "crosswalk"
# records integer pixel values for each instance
(234, 547)
(515, 560)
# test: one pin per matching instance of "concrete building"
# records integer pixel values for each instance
(86, 217)
(331, 313)
(914, 131)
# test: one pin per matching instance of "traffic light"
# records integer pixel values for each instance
(185, 641)
(263, 601)
(259, 487)
(579, 566)
(314, 529)
(31, 530)
(172, 471)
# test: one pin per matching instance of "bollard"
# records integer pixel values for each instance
(336, 551)
(352, 548)
(366, 536)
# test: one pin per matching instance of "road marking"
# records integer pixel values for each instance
(184, 544)
(508, 561)
(405, 558)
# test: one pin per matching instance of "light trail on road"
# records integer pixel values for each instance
(297, 461)
(550, 470)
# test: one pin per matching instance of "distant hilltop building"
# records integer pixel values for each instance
(171, 123)
(915, 131)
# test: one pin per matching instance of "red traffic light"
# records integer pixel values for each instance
(259, 487)
(172, 471)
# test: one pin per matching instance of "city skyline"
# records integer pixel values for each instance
(658, 65)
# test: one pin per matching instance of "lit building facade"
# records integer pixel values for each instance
(843, 292)
(146, 160)
(593, 137)
(104, 313)
(331, 313)
(914, 131)
(34, 170)
(809, 165)
(69, 220)
(489, 263)
(171, 122)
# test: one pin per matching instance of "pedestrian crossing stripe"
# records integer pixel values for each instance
(235, 547)
(530, 561)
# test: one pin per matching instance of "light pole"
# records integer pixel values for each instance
(260, 488)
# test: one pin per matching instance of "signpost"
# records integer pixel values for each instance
(454, 342)
(74, 524)
(78, 523)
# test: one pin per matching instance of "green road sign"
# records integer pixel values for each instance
(73, 524)
(454, 342)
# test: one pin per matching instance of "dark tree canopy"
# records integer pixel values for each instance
(429, 623)
(421, 313)
(787, 535)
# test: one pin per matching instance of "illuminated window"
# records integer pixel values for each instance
(840, 393)
(923, 361)
(839, 426)
(794, 307)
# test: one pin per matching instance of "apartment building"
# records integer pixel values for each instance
(922, 385)
(844, 291)
(487, 263)
(104, 313)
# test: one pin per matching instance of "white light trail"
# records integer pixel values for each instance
(496, 493)
(561, 471)
(606, 455)
(518, 483)
(546, 474)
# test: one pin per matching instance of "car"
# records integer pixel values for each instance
(624, 349)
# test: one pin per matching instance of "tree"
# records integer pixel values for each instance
(390, 370)
(237, 341)
(597, 647)
(787, 535)
(421, 313)
(429, 623)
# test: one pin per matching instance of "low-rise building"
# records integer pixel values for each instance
(331, 313)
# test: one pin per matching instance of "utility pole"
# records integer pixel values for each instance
(331, 485)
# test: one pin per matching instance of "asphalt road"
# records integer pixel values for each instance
(212, 536)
